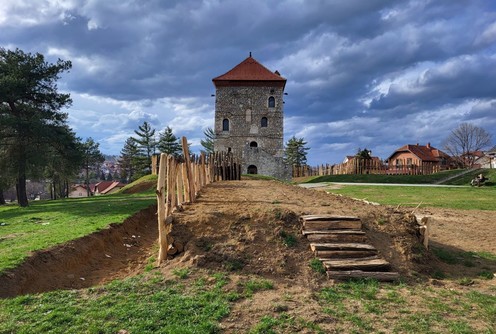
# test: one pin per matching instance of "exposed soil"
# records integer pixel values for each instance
(118, 251)
(241, 227)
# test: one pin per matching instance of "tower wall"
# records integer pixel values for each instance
(244, 107)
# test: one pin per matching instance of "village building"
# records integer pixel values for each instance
(425, 159)
(249, 118)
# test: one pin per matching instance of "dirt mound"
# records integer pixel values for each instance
(117, 251)
(253, 228)
(140, 187)
(248, 227)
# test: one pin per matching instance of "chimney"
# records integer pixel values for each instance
(429, 145)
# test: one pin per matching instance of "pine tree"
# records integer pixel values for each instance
(92, 156)
(31, 122)
(168, 143)
(146, 144)
(295, 153)
(208, 143)
(129, 160)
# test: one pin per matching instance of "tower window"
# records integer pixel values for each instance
(272, 102)
(253, 144)
(225, 125)
(263, 122)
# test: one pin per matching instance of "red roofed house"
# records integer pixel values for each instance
(106, 187)
(249, 118)
(418, 158)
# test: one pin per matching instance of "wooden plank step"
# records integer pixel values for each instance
(336, 237)
(328, 217)
(341, 246)
(356, 274)
(354, 232)
(332, 225)
(365, 264)
(324, 255)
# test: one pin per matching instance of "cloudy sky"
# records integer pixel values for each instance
(373, 74)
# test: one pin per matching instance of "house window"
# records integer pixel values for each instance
(263, 122)
(225, 125)
(398, 162)
(253, 144)
(409, 161)
(272, 102)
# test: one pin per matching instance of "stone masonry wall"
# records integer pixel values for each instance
(244, 107)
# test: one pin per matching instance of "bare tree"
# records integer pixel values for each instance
(464, 141)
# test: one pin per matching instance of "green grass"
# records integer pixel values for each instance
(48, 223)
(465, 179)
(317, 266)
(149, 180)
(466, 198)
(376, 178)
(367, 307)
(138, 305)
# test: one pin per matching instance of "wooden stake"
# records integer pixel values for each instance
(189, 174)
(161, 210)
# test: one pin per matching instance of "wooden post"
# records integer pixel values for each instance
(180, 184)
(173, 184)
(162, 210)
(189, 175)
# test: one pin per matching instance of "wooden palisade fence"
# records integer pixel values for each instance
(365, 166)
(180, 181)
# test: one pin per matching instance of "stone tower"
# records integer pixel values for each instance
(249, 117)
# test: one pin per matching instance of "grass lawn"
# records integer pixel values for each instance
(44, 224)
(196, 302)
(376, 178)
(409, 179)
(466, 198)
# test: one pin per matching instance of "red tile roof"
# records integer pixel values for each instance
(424, 153)
(249, 70)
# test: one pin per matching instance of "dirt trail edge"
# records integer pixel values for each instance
(117, 251)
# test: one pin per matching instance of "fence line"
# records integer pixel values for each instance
(180, 180)
(365, 166)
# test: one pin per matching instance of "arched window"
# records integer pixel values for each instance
(272, 102)
(225, 125)
(263, 122)
(253, 144)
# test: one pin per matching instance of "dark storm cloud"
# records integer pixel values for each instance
(354, 68)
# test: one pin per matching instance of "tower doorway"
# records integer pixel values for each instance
(252, 169)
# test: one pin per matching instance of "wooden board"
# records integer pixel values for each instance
(332, 225)
(355, 274)
(336, 237)
(340, 246)
(366, 264)
(328, 217)
(340, 254)
(355, 232)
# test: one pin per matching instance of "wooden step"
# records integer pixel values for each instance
(336, 237)
(357, 274)
(354, 232)
(340, 246)
(324, 217)
(325, 225)
(365, 264)
(343, 254)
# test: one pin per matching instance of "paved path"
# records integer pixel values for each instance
(330, 184)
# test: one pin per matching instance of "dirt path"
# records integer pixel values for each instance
(243, 227)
